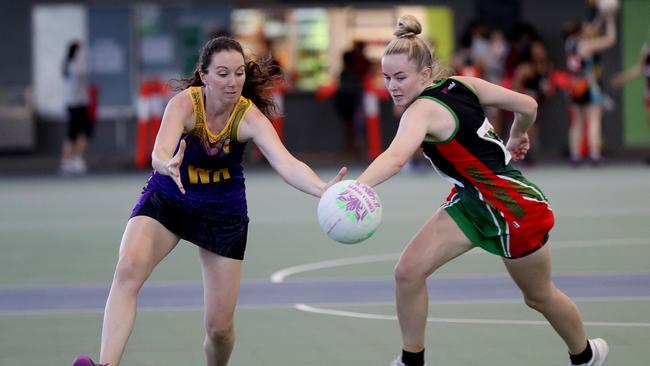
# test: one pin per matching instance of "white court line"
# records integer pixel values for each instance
(280, 275)
(72, 223)
(353, 314)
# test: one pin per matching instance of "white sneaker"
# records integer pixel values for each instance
(600, 350)
(398, 362)
(66, 168)
(79, 166)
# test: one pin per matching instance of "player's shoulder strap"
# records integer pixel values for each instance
(196, 94)
(231, 129)
(237, 116)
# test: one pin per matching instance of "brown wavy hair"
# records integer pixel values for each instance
(260, 77)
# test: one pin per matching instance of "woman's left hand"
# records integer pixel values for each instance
(518, 146)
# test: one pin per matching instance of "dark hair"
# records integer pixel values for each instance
(571, 28)
(259, 76)
(73, 47)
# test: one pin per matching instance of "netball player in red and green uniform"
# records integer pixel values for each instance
(491, 206)
(495, 206)
(197, 193)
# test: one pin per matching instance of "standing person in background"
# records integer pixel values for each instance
(492, 205)
(586, 97)
(76, 99)
(196, 192)
(642, 67)
(360, 63)
(533, 78)
(348, 101)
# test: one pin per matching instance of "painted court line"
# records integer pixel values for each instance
(321, 292)
(359, 315)
(281, 275)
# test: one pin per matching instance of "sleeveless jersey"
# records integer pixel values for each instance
(499, 201)
(585, 73)
(211, 171)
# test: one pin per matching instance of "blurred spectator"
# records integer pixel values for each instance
(480, 46)
(360, 63)
(348, 100)
(642, 67)
(464, 61)
(582, 43)
(522, 35)
(495, 57)
(533, 77)
(494, 63)
(482, 54)
(76, 99)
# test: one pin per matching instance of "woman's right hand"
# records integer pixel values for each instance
(339, 176)
(518, 146)
(173, 165)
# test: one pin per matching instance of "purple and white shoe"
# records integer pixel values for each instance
(83, 360)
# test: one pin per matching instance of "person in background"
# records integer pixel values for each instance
(348, 101)
(76, 99)
(582, 44)
(491, 205)
(360, 64)
(533, 77)
(642, 67)
(196, 192)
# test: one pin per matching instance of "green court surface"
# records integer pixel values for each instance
(64, 233)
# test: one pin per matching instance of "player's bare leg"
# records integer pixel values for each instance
(533, 276)
(221, 280)
(144, 244)
(437, 242)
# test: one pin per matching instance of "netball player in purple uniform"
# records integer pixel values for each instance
(196, 192)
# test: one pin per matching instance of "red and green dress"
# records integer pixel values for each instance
(492, 202)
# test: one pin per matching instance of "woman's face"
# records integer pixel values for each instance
(537, 51)
(225, 75)
(403, 79)
(588, 30)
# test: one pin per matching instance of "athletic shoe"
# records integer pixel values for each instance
(79, 166)
(83, 360)
(600, 350)
(398, 362)
(73, 167)
(66, 168)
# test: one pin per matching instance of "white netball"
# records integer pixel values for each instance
(607, 6)
(349, 211)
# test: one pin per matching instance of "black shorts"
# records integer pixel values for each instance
(225, 235)
(79, 122)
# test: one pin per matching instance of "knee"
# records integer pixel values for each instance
(219, 331)
(407, 275)
(130, 273)
(540, 300)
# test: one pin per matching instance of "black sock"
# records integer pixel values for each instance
(583, 357)
(413, 359)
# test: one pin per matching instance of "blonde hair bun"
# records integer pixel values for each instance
(407, 26)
